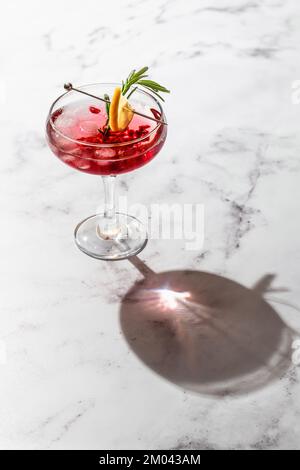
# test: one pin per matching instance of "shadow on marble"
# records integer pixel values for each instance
(204, 332)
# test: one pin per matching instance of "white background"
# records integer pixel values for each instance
(69, 379)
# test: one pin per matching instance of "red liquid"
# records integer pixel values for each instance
(81, 123)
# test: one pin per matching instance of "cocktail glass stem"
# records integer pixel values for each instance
(108, 227)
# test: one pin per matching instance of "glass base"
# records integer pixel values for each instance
(129, 240)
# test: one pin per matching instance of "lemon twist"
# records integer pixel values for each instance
(120, 111)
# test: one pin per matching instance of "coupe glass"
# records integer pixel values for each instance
(71, 132)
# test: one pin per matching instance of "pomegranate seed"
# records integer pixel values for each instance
(56, 114)
(94, 110)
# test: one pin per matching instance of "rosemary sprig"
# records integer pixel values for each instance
(107, 105)
(132, 91)
(140, 78)
(106, 126)
(136, 78)
(105, 130)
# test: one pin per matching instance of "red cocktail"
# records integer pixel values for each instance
(90, 137)
(75, 136)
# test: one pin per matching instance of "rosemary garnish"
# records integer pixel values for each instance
(132, 91)
(134, 78)
(105, 130)
(107, 106)
(138, 78)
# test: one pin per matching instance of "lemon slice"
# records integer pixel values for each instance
(113, 110)
(125, 113)
(120, 111)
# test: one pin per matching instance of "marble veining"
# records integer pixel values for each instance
(76, 370)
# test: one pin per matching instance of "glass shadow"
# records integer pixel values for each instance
(204, 332)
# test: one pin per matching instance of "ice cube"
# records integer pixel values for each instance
(81, 113)
(67, 144)
(82, 164)
(69, 159)
(105, 153)
(64, 122)
(88, 128)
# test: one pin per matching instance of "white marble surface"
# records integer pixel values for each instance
(70, 378)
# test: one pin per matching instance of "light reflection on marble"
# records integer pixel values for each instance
(70, 379)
